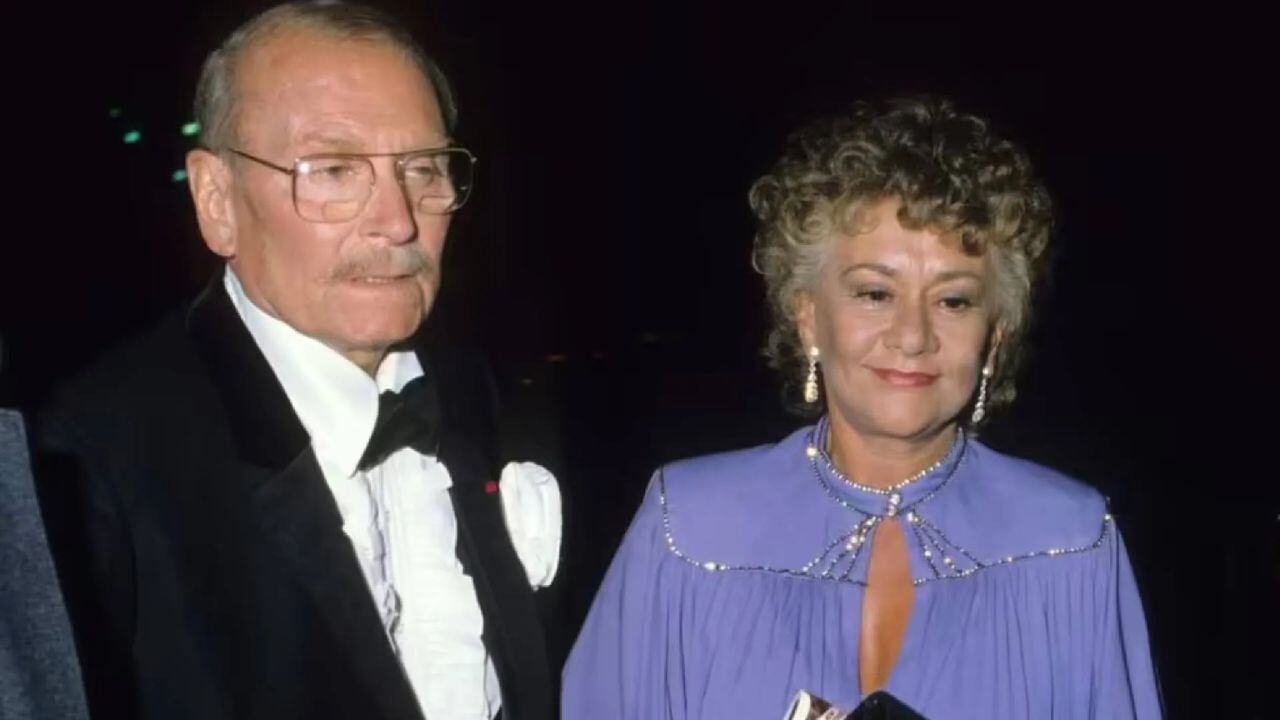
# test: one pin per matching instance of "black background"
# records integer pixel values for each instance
(603, 262)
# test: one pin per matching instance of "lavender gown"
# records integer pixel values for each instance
(741, 580)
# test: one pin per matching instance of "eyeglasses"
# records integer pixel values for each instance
(334, 187)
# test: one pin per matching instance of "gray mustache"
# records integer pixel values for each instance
(406, 261)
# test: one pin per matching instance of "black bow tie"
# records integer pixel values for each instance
(409, 418)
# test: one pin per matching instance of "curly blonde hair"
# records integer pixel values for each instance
(951, 174)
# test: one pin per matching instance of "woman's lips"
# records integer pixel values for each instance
(898, 378)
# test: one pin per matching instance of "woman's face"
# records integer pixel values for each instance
(900, 319)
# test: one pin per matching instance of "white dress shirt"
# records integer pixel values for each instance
(400, 519)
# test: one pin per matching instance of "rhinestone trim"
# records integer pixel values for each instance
(818, 440)
(807, 571)
(934, 541)
(840, 557)
(894, 496)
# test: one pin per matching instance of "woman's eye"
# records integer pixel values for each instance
(874, 296)
(957, 302)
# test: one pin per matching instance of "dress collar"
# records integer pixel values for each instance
(899, 499)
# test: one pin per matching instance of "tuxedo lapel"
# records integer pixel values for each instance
(292, 504)
(513, 631)
(301, 522)
(512, 626)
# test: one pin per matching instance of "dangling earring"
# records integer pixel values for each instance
(980, 407)
(811, 380)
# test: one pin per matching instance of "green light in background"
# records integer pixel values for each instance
(179, 175)
(191, 129)
(132, 137)
(115, 112)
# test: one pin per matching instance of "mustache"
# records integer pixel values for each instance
(384, 262)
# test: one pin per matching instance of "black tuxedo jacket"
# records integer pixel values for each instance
(202, 554)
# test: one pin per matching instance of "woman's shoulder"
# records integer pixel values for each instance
(1029, 481)
(756, 507)
(1025, 503)
(740, 472)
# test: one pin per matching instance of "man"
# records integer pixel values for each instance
(286, 505)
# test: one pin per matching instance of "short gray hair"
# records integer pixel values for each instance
(217, 94)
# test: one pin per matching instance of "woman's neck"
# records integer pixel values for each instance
(881, 461)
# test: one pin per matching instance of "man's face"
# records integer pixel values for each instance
(357, 286)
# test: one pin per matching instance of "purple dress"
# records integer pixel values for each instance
(741, 582)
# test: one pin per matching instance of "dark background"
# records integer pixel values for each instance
(603, 261)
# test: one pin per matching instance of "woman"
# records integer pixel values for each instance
(882, 548)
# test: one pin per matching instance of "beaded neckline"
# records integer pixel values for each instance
(883, 501)
(815, 450)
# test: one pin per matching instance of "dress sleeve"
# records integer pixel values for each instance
(1124, 682)
(621, 666)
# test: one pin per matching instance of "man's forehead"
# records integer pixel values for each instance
(327, 135)
(330, 93)
(311, 60)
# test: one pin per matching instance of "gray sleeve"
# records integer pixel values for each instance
(39, 670)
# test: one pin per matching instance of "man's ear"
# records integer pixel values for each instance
(209, 179)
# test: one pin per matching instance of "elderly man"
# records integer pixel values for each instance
(283, 502)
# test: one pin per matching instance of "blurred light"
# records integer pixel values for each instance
(115, 112)
(179, 175)
(132, 137)
(191, 129)
(557, 358)
(526, 381)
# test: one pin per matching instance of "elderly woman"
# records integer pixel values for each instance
(883, 547)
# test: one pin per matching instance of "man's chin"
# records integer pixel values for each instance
(384, 333)
(378, 331)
